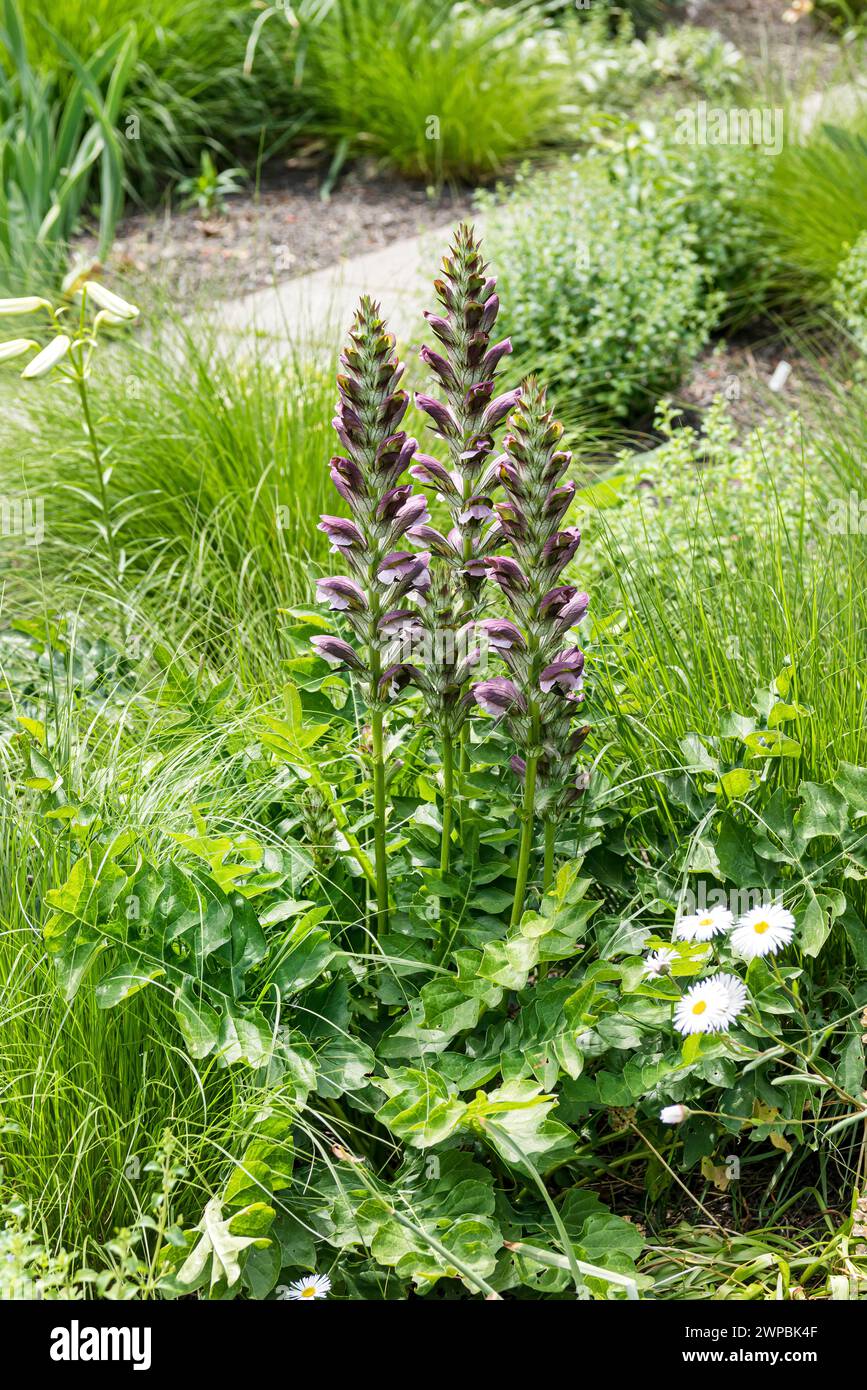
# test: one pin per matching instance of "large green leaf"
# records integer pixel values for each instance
(218, 1251)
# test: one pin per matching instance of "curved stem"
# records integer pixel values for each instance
(97, 460)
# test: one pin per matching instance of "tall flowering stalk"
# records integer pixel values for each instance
(68, 355)
(543, 695)
(466, 371)
(384, 577)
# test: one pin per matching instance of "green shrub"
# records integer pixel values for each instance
(849, 291)
(619, 69)
(604, 294)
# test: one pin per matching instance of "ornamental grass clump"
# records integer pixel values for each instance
(544, 692)
(384, 576)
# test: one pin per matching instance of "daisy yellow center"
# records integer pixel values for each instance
(699, 1006)
(706, 922)
(308, 1293)
(761, 927)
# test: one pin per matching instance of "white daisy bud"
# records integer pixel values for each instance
(658, 963)
(673, 1114)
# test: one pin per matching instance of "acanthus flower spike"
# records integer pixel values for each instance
(547, 677)
(464, 366)
(367, 476)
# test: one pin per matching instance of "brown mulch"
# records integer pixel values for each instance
(747, 375)
(259, 239)
(785, 32)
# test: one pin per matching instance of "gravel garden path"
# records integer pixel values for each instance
(312, 308)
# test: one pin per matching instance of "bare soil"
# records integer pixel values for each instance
(258, 239)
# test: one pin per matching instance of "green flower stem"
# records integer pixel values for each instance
(379, 823)
(506, 1138)
(378, 759)
(527, 821)
(548, 871)
(528, 808)
(97, 461)
(467, 548)
(658, 1156)
(342, 823)
(448, 797)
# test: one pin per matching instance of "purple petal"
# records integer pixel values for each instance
(394, 455)
(498, 696)
(558, 500)
(564, 673)
(441, 327)
(398, 621)
(392, 501)
(340, 593)
(564, 605)
(438, 364)
(503, 635)
(577, 738)
(500, 407)
(346, 477)
(394, 408)
(477, 450)
(343, 534)
(492, 308)
(478, 396)
(405, 570)
(558, 551)
(439, 413)
(395, 678)
(575, 610)
(337, 652)
(428, 535)
(494, 354)
(429, 470)
(508, 574)
(476, 509)
(413, 512)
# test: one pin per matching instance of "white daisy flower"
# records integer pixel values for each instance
(763, 931)
(311, 1286)
(711, 1005)
(673, 1114)
(701, 926)
(657, 963)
